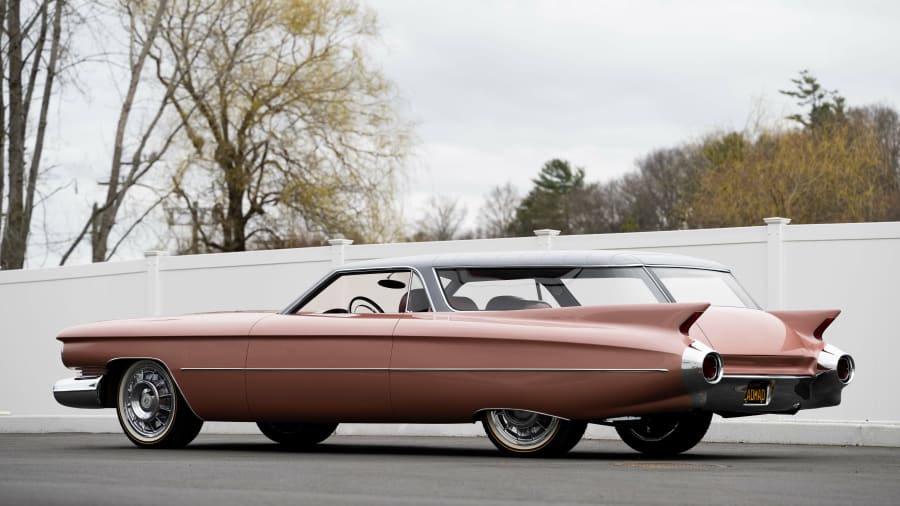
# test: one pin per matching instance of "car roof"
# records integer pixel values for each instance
(599, 258)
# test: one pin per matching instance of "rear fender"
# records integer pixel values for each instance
(671, 316)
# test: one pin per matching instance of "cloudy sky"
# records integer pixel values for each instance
(496, 88)
(499, 87)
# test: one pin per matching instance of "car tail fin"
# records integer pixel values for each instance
(675, 316)
(685, 326)
(808, 323)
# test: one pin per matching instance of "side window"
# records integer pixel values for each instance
(370, 292)
(698, 285)
(602, 291)
(483, 292)
(503, 289)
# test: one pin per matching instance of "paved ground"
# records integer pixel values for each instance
(219, 470)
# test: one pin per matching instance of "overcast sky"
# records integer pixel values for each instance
(497, 88)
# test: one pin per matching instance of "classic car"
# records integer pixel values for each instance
(534, 345)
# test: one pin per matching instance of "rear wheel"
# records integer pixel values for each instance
(667, 434)
(151, 410)
(526, 433)
(297, 435)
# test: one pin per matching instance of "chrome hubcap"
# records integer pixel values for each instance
(523, 430)
(148, 401)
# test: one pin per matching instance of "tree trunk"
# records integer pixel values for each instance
(22, 173)
(233, 227)
(15, 233)
(49, 79)
(2, 125)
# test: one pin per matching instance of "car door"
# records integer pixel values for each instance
(320, 367)
(330, 360)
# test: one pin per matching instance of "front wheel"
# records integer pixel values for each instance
(526, 433)
(297, 435)
(665, 435)
(151, 410)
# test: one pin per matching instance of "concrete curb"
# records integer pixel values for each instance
(811, 432)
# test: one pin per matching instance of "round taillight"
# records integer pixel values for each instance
(845, 369)
(712, 367)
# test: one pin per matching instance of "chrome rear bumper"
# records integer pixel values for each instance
(82, 392)
(786, 394)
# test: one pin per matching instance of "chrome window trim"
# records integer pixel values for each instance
(659, 286)
(535, 266)
(336, 273)
(443, 293)
(415, 272)
(675, 266)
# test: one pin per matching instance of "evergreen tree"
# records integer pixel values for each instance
(549, 204)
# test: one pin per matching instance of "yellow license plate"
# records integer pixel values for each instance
(757, 393)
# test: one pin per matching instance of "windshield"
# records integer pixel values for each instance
(503, 289)
(699, 285)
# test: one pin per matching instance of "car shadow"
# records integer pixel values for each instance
(702, 454)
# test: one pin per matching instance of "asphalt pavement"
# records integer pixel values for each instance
(101, 469)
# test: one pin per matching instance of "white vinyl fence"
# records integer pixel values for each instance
(853, 267)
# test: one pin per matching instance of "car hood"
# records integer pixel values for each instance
(208, 324)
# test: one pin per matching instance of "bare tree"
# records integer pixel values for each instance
(32, 41)
(885, 122)
(664, 179)
(292, 121)
(143, 28)
(499, 211)
(599, 208)
(442, 221)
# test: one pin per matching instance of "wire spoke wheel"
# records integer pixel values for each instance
(148, 402)
(520, 432)
(150, 409)
(523, 429)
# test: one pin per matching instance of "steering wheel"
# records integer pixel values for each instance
(364, 302)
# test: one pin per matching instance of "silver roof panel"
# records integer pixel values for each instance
(538, 259)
